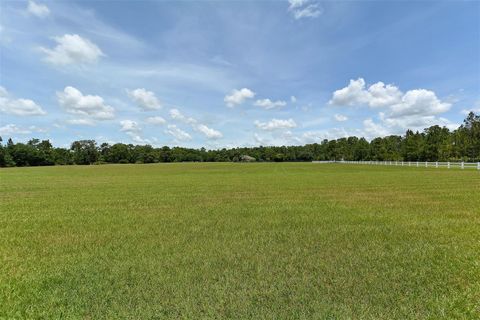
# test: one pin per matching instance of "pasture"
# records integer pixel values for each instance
(241, 241)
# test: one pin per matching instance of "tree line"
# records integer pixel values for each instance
(433, 144)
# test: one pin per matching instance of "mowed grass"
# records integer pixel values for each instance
(240, 241)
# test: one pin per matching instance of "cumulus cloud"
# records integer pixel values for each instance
(177, 133)
(419, 102)
(353, 94)
(175, 114)
(209, 133)
(72, 49)
(293, 99)
(304, 9)
(133, 130)
(276, 124)
(156, 120)
(74, 102)
(129, 125)
(237, 97)
(340, 117)
(144, 99)
(18, 107)
(414, 109)
(381, 95)
(37, 9)
(269, 104)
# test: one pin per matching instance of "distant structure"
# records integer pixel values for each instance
(246, 158)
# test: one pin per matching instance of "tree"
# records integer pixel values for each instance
(433, 144)
(471, 131)
(63, 156)
(412, 147)
(436, 143)
(84, 152)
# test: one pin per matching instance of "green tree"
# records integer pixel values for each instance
(85, 152)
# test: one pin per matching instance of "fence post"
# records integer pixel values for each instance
(463, 165)
(426, 164)
(478, 165)
(448, 164)
(417, 163)
(436, 164)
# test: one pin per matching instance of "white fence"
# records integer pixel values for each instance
(425, 164)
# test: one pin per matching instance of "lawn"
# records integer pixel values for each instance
(241, 241)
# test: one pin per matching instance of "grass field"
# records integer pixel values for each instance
(251, 241)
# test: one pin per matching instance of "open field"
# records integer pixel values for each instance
(224, 240)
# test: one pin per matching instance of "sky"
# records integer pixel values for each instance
(220, 74)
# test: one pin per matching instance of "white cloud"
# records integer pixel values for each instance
(414, 122)
(268, 104)
(391, 126)
(134, 131)
(177, 115)
(287, 137)
(144, 99)
(296, 3)
(74, 102)
(276, 124)
(310, 11)
(238, 97)
(18, 107)
(156, 120)
(72, 49)
(258, 139)
(414, 109)
(38, 9)
(177, 133)
(465, 112)
(293, 99)
(137, 138)
(379, 95)
(340, 117)
(304, 9)
(10, 129)
(199, 127)
(209, 132)
(129, 125)
(373, 130)
(318, 136)
(353, 94)
(81, 122)
(382, 95)
(419, 102)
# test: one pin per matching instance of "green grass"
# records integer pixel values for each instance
(243, 241)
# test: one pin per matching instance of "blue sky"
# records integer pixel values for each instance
(235, 73)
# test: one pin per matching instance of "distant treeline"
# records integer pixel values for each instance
(433, 144)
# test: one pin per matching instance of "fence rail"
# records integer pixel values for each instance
(426, 164)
